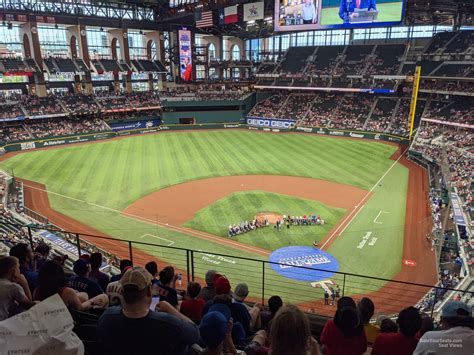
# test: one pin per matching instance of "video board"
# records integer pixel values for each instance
(307, 15)
(185, 55)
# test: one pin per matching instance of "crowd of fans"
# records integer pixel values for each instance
(61, 127)
(208, 92)
(78, 104)
(12, 133)
(10, 111)
(50, 128)
(450, 145)
(446, 85)
(344, 111)
(139, 305)
(42, 106)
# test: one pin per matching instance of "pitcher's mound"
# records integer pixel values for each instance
(270, 216)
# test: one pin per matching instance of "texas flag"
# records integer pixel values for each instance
(230, 15)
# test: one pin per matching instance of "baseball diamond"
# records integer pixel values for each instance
(187, 187)
(284, 177)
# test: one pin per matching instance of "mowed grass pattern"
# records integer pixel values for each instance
(110, 175)
(242, 206)
(116, 173)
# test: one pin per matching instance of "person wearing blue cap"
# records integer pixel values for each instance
(457, 336)
(216, 332)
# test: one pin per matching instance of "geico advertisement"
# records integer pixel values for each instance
(260, 122)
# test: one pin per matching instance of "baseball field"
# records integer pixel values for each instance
(183, 190)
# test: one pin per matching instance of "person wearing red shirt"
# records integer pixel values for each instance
(188, 70)
(345, 334)
(404, 342)
(192, 306)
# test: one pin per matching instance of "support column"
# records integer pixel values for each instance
(80, 32)
(37, 83)
(157, 38)
(121, 35)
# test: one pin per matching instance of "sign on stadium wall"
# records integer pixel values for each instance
(135, 125)
(353, 134)
(57, 141)
(458, 216)
(270, 123)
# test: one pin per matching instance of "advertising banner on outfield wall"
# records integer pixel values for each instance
(123, 126)
(352, 134)
(271, 123)
(57, 141)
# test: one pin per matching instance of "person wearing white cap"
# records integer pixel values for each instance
(457, 336)
(135, 329)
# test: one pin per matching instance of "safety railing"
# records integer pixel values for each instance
(389, 296)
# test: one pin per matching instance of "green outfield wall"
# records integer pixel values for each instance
(202, 117)
(74, 139)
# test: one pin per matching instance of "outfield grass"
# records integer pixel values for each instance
(92, 183)
(116, 173)
(242, 206)
(389, 12)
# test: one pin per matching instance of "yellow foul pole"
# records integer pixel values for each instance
(414, 99)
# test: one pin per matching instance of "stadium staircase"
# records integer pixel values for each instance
(369, 116)
(394, 114)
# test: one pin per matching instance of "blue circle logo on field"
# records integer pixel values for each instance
(303, 263)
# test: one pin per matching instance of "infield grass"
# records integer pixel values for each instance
(242, 206)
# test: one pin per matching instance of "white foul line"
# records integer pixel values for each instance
(357, 206)
(221, 241)
(156, 237)
(375, 219)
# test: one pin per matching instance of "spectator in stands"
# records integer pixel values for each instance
(24, 254)
(457, 324)
(239, 312)
(15, 295)
(124, 263)
(135, 329)
(274, 304)
(152, 268)
(427, 325)
(216, 333)
(95, 274)
(41, 254)
(388, 326)
(192, 306)
(404, 342)
(366, 308)
(240, 293)
(114, 288)
(345, 334)
(208, 292)
(290, 333)
(52, 280)
(81, 281)
(166, 289)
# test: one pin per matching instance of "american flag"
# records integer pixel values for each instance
(204, 19)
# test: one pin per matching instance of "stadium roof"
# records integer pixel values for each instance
(418, 12)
